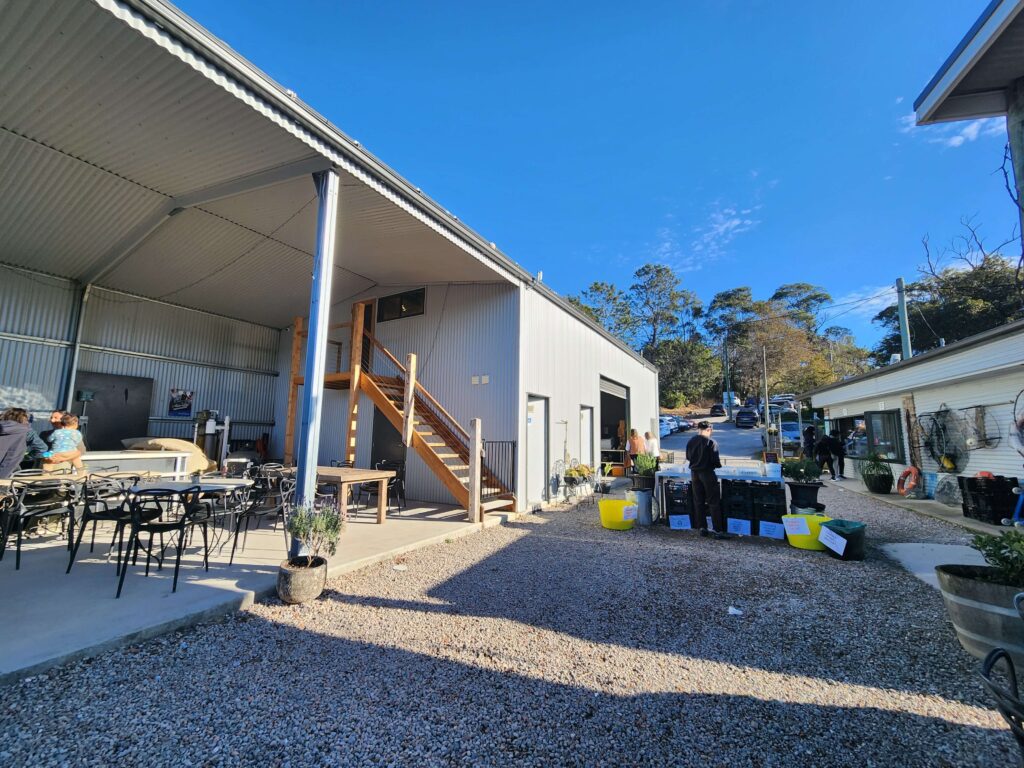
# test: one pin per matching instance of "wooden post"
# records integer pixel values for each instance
(410, 399)
(293, 391)
(475, 452)
(355, 368)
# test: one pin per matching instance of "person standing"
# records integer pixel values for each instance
(838, 454)
(809, 435)
(636, 445)
(651, 442)
(823, 455)
(702, 455)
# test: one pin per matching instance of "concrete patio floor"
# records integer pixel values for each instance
(51, 618)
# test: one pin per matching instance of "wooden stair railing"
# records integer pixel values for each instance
(437, 438)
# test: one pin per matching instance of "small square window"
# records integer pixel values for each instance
(399, 305)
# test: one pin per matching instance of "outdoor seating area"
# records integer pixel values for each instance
(104, 557)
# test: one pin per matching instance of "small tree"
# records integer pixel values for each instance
(317, 529)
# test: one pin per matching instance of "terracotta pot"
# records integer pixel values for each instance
(298, 582)
(982, 612)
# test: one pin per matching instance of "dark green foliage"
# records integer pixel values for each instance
(801, 470)
(1004, 553)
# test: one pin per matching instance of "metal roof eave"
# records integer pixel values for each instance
(925, 357)
(172, 21)
(979, 38)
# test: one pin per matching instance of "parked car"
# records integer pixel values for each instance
(790, 435)
(746, 418)
(718, 409)
(685, 425)
(664, 430)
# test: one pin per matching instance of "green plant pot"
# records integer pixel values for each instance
(878, 483)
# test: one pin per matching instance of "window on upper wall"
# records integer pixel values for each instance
(399, 305)
(854, 434)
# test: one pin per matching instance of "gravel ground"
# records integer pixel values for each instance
(548, 642)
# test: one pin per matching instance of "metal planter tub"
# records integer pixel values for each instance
(982, 612)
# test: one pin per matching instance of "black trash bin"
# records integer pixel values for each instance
(853, 533)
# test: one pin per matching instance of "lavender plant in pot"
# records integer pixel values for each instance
(317, 529)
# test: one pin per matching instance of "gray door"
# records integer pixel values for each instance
(387, 441)
(119, 408)
(536, 449)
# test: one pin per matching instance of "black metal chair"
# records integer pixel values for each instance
(33, 500)
(395, 486)
(263, 502)
(1007, 699)
(104, 499)
(184, 510)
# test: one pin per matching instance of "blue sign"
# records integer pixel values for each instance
(772, 530)
(741, 527)
(679, 522)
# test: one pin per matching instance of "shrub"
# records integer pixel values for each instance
(316, 528)
(875, 465)
(1005, 553)
(645, 465)
(801, 470)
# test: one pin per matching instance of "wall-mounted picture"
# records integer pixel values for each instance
(180, 404)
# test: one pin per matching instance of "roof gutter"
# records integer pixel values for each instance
(181, 26)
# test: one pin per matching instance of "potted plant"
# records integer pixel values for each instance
(605, 486)
(317, 529)
(803, 481)
(980, 598)
(643, 472)
(876, 474)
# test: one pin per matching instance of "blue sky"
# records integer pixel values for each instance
(741, 142)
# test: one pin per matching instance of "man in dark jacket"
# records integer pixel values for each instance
(838, 448)
(702, 454)
(823, 455)
(17, 439)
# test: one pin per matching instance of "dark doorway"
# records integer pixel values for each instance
(119, 408)
(387, 441)
(613, 414)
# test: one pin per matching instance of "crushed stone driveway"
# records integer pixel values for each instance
(548, 642)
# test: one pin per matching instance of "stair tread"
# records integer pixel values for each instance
(496, 504)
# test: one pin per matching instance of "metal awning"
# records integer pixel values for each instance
(973, 81)
(130, 162)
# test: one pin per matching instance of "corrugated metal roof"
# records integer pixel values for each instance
(74, 77)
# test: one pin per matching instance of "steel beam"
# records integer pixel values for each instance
(328, 184)
(123, 248)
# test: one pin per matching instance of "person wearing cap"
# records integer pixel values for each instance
(702, 454)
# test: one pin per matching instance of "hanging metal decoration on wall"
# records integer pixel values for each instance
(980, 427)
(944, 439)
(1017, 425)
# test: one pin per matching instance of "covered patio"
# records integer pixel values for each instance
(58, 617)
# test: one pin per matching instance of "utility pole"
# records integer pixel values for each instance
(901, 300)
(728, 381)
(767, 412)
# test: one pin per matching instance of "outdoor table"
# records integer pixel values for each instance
(342, 477)
(208, 486)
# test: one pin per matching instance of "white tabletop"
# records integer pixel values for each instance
(207, 485)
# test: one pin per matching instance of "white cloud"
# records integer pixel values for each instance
(899, 99)
(953, 135)
(724, 224)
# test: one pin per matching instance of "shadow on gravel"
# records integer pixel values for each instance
(290, 696)
(804, 614)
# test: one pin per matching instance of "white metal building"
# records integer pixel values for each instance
(162, 206)
(970, 386)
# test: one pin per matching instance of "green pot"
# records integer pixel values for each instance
(878, 483)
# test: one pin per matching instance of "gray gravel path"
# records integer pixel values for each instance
(548, 642)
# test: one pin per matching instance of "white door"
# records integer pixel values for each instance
(536, 450)
(587, 435)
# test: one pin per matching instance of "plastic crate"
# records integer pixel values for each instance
(988, 499)
(735, 491)
(678, 504)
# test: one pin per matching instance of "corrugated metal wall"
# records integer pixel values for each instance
(465, 331)
(564, 360)
(231, 365)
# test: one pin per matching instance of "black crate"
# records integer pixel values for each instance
(767, 492)
(735, 491)
(678, 500)
(988, 499)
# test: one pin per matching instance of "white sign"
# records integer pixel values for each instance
(679, 522)
(735, 525)
(797, 526)
(832, 540)
(771, 530)
(629, 513)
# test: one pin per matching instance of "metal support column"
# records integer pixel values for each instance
(327, 186)
(76, 351)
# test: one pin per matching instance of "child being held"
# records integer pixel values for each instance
(66, 444)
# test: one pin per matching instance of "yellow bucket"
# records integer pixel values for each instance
(802, 530)
(617, 514)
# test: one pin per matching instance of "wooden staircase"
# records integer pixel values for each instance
(437, 438)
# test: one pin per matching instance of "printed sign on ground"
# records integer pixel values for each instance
(797, 526)
(832, 540)
(679, 522)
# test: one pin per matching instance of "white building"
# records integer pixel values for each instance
(162, 205)
(956, 401)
